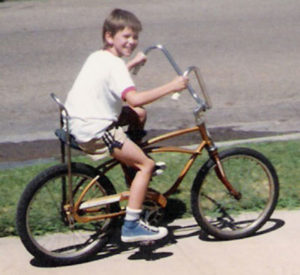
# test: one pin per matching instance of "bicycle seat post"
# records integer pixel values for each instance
(64, 120)
(62, 144)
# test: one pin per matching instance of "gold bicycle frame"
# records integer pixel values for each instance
(157, 197)
(206, 142)
(94, 204)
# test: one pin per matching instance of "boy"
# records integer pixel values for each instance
(95, 107)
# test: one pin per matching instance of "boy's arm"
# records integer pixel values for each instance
(135, 99)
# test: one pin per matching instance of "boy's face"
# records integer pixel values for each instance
(123, 43)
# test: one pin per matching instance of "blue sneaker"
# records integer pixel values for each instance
(136, 231)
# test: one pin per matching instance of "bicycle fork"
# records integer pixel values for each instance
(220, 172)
(222, 176)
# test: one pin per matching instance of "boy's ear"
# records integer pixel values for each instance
(109, 38)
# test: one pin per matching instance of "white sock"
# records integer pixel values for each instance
(132, 214)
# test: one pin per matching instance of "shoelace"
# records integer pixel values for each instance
(148, 227)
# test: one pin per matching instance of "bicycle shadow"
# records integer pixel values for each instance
(174, 210)
(176, 232)
(181, 232)
(271, 225)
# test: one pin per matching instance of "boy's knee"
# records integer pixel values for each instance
(149, 165)
(146, 165)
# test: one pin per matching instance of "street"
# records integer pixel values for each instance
(247, 51)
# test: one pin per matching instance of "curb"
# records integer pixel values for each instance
(287, 137)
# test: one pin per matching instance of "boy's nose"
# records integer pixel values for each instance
(131, 40)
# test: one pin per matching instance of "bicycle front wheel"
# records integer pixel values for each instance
(42, 221)
(221, 215)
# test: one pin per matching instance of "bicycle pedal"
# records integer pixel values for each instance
(159, 168)
(146, 243)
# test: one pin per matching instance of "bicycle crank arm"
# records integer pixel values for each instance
(96, 205)
(98, 202)
(104, 201)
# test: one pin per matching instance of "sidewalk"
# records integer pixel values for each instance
(273, 250)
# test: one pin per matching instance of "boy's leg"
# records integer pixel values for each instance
(132, 155)
(133, 229)
(135, 118)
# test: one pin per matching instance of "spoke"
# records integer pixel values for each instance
(53, 199)
(220, 208)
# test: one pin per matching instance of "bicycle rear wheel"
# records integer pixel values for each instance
(221, 215)
(42, 221)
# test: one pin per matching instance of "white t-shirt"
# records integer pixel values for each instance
(95, 100)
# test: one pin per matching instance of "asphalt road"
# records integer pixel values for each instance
(248, 52)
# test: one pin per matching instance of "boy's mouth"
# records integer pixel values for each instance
(129, 49)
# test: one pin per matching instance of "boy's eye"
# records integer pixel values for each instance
(127, 36)
(131, 36)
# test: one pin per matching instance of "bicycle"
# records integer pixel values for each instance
(233, 195)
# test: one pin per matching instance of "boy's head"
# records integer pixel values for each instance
(118, 20)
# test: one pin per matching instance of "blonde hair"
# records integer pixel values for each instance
(119, 20)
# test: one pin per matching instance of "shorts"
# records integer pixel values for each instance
(98, 148)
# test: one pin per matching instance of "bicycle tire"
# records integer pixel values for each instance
(217, 212)
(42, 224)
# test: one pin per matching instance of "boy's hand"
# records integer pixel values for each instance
(179, 83)
(139, 60)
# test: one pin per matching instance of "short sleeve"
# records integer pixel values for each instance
(120, 79)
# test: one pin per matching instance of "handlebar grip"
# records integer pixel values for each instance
(175, 96)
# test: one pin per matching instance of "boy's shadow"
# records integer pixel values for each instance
(174, 210)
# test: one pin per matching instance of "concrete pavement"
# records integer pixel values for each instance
(274, 250)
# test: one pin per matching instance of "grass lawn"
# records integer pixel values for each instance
(285, 157)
